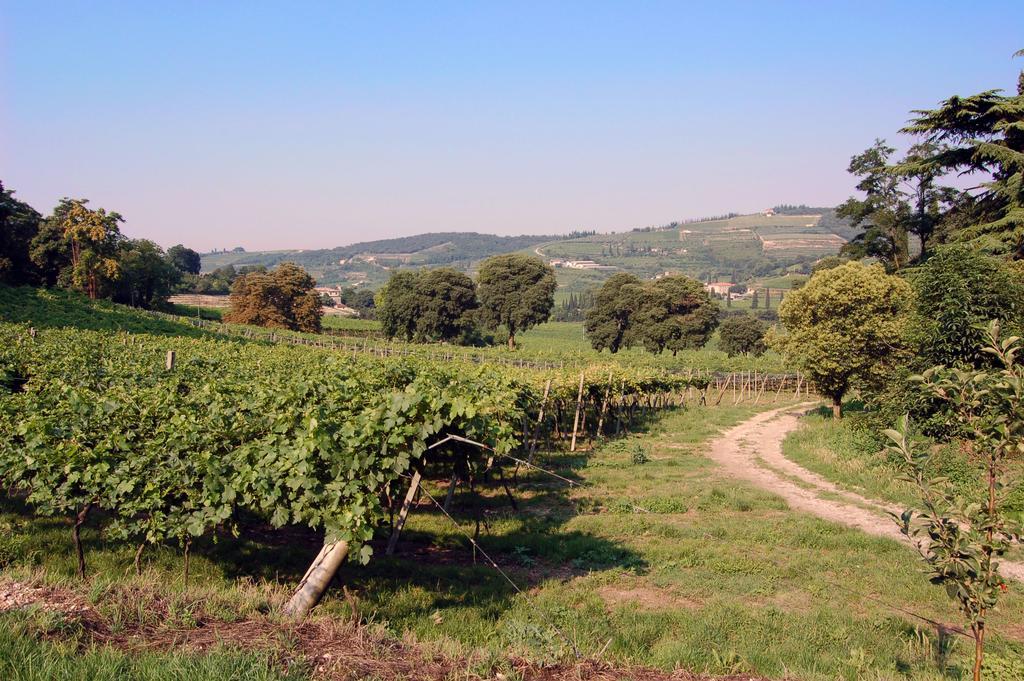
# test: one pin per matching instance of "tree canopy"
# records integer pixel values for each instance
(516, 291)
(282, 298)
(427, 305)
(958, 291)
(19, 224)
(672, 313)
(846, 326)
(185, 259)
(742, 334)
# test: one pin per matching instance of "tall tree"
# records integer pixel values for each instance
(677, 313)
(742, 334)
(185, 259)
(19, 224)
(882, 212)
(446, 299)
(397, 304)
(281, 298)
(516, 291)
(83, 244)
(147, 275)
(845, 326)
(981, 135)
(607, 322)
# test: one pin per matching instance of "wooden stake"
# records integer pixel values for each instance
(404, 513)
(170, 360)
(576, 418)
(604, 405)
(540, 420)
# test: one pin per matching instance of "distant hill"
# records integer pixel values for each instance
(372, 261)
(732, 247)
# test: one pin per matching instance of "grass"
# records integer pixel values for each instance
(719, 576)
(25, 657)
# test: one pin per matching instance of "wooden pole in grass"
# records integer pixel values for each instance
(317, 578)
(576, 418)
(170, 360)
(725, 387)
(414, 487)
(604, 405)
(540, 420)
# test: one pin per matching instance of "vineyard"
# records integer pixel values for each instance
(171, 439)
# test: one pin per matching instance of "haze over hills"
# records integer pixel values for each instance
(734, 247)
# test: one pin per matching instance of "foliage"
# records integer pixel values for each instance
(981, 134)
(282, 298)
(185, 259)
(846, 326)
(427, 305)
(742, 334)
(147, 276)
(958, 290)
(78, 247)
(19, 224)
(516, 291)
(961, 539)
(671, 313)
(292, 435)
(897, 201)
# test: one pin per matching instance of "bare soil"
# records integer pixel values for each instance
(752, 451)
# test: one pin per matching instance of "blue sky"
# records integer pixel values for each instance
(303, 125)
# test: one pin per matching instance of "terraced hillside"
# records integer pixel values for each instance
(737, 248)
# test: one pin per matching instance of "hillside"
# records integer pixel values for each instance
(370, 262)
(738, 248)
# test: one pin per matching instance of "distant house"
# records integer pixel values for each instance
(332, 292)
(768, 212)
(587, 265)
(720, 288)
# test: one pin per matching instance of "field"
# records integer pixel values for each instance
(634, 556)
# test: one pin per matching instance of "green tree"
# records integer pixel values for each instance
(517, 292)
(446, 299)
(147, 276)
(755, 301)
(742, 334)
(281, 298)
(962, 538)
(397, 305)
(846, 326)
(77, 247)
(677, 313)
(958, 290)
(882, 212)
(185, 259)
(19, 224)
(980, 135)
(607, 322)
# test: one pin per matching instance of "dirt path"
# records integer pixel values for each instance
(752, 451)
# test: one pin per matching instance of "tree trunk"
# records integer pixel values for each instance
(77, 537)
(318, 577)
(979, 648)
(511, 341)
(837, 407)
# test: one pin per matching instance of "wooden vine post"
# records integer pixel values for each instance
(576, 418)
(540, 420)
(414, 487)
(170, 360)
(604, 405)
(314, 583)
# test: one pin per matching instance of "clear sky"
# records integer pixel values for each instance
(303, 125)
